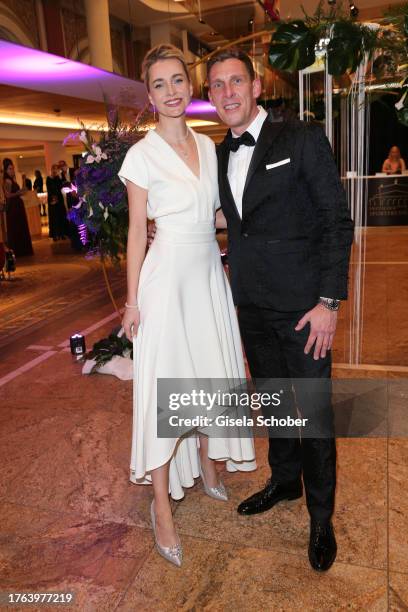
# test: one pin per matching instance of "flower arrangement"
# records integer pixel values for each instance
(103, 351)
(101, 214)
(294, 45)
(102, 206)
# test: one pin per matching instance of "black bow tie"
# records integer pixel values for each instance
(233, 144)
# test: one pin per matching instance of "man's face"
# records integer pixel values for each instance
(233, 93)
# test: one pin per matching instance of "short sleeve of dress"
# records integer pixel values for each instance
(134, 167)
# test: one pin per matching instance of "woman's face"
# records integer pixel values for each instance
(170, 90)
(10, 171)
(394, 153)
(54, 170)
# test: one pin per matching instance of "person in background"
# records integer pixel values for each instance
(38, 182)
(64, 171)
(65, 174)
(394, 164)
(39, 188)
(72, 199)
(57, 216)
(18, 234)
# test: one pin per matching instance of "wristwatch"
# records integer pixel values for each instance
(330, 303)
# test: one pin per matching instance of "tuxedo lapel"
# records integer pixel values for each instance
(223, 157)
(266, 137)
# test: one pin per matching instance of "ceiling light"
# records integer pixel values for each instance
(44, 122)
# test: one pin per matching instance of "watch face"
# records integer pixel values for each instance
(331, 303)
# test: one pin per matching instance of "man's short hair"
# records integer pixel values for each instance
(231, 53)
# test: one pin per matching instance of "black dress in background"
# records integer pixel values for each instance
(39, 188)
(57, 216)
(18, 234)
(39, 185)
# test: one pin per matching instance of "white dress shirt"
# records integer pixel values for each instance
(239, 161)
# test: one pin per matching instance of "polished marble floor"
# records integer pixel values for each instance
(70, 520)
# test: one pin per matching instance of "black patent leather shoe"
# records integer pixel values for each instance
(322, 546)
(273, 493)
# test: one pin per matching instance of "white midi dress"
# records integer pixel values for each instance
(188, 325)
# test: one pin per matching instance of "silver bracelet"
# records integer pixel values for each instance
(131, 305)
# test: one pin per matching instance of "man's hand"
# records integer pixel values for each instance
(323, 324)
(151, 232)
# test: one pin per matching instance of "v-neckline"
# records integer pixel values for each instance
(198, 178)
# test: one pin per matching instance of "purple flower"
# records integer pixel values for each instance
(101, 173)
(76, 215)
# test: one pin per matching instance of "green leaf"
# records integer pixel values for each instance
(346, 48)
(402, 116)
(292, 46)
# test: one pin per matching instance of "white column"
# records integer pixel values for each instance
(97, 22)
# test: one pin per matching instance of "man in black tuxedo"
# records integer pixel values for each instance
(290, 234)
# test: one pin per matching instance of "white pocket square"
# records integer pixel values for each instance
(279, 163)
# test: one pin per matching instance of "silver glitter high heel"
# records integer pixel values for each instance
(174, 553)
(219, 492)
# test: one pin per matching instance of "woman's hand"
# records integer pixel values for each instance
(131, 317)
(220, 220)
(151, 232)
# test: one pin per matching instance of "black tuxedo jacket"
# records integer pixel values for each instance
(293, 243)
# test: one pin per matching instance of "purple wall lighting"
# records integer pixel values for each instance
(39, 71)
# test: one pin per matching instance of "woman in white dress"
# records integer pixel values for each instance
(179, 305)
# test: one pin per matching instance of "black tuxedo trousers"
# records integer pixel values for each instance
(275, 350)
